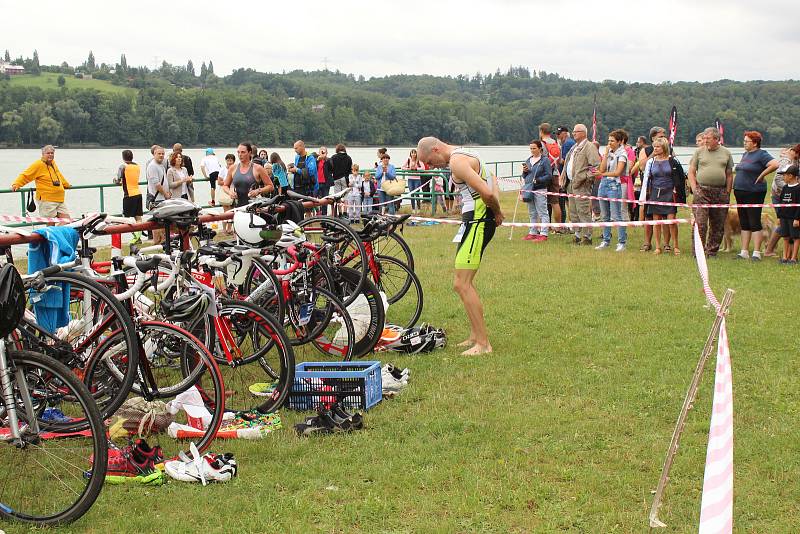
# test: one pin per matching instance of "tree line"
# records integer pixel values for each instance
(175, 103)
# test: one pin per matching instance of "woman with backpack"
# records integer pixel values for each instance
(537, 175)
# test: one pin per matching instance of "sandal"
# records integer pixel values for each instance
(676, 251)
(657, 251)
(645, 248)
(667, 248)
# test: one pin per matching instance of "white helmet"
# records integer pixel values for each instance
(248, 227)
(291, 234)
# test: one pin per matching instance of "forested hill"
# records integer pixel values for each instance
(139, 107)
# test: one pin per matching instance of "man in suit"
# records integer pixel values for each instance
(578, 165)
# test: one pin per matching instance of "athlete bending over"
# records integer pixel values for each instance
(480, 216)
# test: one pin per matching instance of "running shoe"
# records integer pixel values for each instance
(204, 469)
(263, 389)
(156, 478)
(128, 462)
(54, 415)
(397, 373)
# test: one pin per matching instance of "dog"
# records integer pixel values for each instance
(733, 227)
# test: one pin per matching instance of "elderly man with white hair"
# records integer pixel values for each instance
(50, 184)
(579, 163)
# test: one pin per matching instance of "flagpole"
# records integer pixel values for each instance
(594, 119)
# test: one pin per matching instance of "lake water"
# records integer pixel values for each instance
(95, 166)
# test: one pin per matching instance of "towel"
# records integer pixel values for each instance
(52, 306)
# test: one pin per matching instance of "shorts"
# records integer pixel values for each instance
(552, 199)
(212, 179)
(52, 209)
(788, 230)
(477, 235)
(749, 218)
(132, 206)
(339, 185)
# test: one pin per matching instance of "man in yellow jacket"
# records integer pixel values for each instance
(50, 184)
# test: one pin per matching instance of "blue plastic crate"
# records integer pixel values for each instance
(357, 385)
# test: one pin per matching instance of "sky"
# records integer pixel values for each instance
(671, 40)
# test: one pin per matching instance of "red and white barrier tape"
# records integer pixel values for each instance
(716, 508)
(19, 218)
(568, 225)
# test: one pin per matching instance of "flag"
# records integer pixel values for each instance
(594, 119)
(673, 125)
(719, 126)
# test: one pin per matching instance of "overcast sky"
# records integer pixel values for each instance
(649, 41)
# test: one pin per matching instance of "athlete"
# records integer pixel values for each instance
(480, 216)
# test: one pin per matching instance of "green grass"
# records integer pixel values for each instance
(49, 80)
(562, 429)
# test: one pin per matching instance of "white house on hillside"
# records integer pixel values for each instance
(8, 68)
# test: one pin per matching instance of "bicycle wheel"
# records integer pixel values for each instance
(317, 323)
(94, 314)
(393, 244)
(403, 291)
(338, 243)
(52, 475)
(368, 312)
(255, 357)
(176, 371)
(262, 287)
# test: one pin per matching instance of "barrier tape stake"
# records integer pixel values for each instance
(688, 402)
(513, 220)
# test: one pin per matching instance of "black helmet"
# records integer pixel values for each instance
(185, 307)
(12, 299)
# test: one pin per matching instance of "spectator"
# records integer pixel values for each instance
(384, 172)
(210, 168)
(666, 182)
(225, 199)
(262, 158)
(49, 183)
(566, 144)
(537, 176)
(381, 152)
(699, 140)
(279, 171)
(178, 177)
(577, 163)
(595, 188)
(187, 164)
(645, 156)
(368, 188)
(636, 175)
(342, 166)
(626, 180)
(128, 176)
(789, 156)
(414, 182)
(243, 177)
(157, 188)
(711, 178)
(612, 167)
(354, 195)
(551, 150)
(304, 169)
(789, 217)
(438, 190)
(750, 187)
(324, 176)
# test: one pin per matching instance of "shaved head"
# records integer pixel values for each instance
(425, 146)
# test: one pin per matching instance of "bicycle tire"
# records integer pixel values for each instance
(172, 361)
(398, 297)
(270, 362)
(120, 325)
(393, 244)
(54, 380)
(331, 332)
(346, 243)
(372, 304)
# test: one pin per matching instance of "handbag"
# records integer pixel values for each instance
(394, 187)
(31, 204)
(224, 198)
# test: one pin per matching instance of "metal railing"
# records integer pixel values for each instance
(429, 196)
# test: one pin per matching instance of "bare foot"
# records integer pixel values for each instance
(477, 349)
(466, 343)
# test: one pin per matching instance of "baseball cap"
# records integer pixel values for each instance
(209, 151)
(562, 129)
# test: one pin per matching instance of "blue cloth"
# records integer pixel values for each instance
(391, 174)
(539, 176)
(52, 307)
(311, 165)
(751, 165)
(280, 174)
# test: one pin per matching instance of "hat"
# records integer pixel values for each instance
(792, 169)
(562, 129)
(209, 151)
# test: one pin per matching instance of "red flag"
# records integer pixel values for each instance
(673, 125)
(594, 120)
(719, 126)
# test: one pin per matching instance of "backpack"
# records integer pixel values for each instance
(553, 152)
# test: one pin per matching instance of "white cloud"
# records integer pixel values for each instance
(627, 40)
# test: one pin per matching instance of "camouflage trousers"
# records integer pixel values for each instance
(710, 221)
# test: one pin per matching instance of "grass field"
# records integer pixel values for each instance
(49, 80)
(562, 429)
